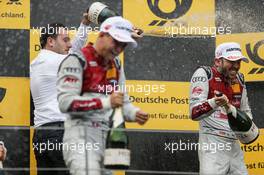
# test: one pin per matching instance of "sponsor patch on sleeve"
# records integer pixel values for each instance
(199, 79)
(71, 70)
(197, 91)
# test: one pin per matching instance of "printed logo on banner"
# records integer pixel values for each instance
(172, 17)
(253, 54)
(252, 47)
(254, 154)
(181, 8)
(16, 2)
(166, 108)
(2, 96)
(15, 14)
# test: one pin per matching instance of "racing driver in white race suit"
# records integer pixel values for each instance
(86, 90)
(208, 109)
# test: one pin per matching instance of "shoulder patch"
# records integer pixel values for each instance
(82, 62)
(208, 71)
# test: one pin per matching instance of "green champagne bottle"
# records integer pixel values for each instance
(240, 123)
(245, 129)
(117, 154)
(98, 12)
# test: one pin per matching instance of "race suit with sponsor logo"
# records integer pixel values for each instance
(85, 82)
(213, 120)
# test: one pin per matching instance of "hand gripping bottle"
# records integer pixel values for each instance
(245, 129)
(98, 12)
(117, 154)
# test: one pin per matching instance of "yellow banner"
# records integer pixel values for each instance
(172, 17)
(252, 46)
(254, 155)
(14, 101)
(166, 102)
(14, 14)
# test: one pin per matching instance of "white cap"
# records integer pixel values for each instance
(120, 29)
(230, 51)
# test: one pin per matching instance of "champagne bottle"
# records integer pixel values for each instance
(98, 12)
(240, 123)
(245, 129)
(117, 154)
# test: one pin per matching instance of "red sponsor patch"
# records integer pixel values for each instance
(223, 116)
(197, 90)
(233, 57)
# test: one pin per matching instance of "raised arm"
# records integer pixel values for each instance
(81, 35)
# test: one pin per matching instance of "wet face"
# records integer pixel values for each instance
(61, 44)
(229, 68)
(111, 47)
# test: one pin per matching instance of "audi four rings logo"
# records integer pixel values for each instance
(196, 79)
(254, 56)
(2, 95)
(182, 6)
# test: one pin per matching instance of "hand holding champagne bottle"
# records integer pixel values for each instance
(99, 12)
(245, 129)
(117, 153)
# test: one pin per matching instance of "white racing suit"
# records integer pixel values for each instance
(223, 154)
(84, 84)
